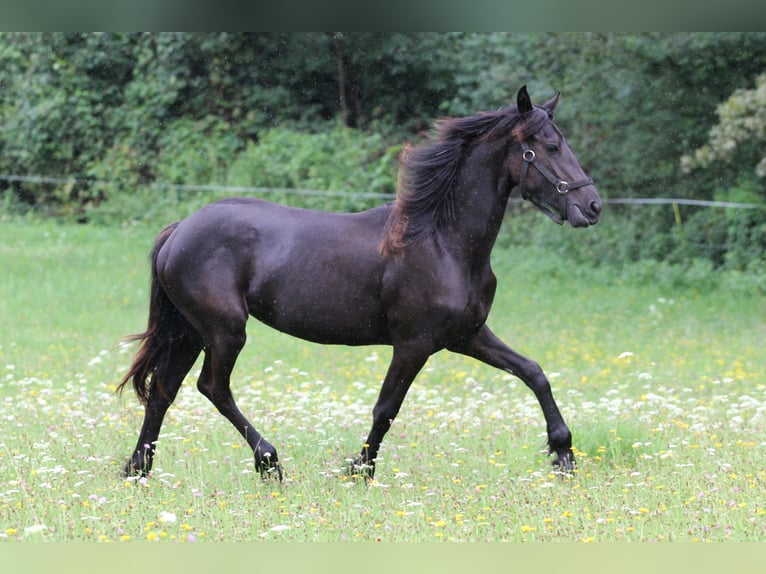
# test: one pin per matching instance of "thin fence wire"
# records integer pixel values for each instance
(682, 201)
(248, 190)
(193, 187)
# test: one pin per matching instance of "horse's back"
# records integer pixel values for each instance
(267, 217)
(256, 226)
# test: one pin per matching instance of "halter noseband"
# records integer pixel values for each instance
(562, 186)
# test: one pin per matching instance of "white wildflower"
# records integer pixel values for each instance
(35, 529)
(167, 517)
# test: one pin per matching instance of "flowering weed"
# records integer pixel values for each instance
(665, 394)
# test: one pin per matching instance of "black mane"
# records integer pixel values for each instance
(428, 172)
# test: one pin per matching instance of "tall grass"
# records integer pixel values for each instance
(664, 387)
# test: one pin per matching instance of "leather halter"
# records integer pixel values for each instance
(562, 186)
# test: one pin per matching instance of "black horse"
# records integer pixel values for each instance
(414, 274)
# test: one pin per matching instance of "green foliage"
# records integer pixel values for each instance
(337, 169)
(337, 160)
(741, 127)
(188, 152)
(115, 118)
(709, 247)
(57, 113)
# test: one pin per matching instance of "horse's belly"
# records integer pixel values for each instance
(323, 316)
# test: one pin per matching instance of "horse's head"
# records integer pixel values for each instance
(549, 174)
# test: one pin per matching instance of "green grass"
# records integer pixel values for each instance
(664, 387)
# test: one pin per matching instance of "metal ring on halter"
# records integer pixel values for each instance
(528, 155)
(562, 187)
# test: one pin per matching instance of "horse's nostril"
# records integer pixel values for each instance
(595, 207)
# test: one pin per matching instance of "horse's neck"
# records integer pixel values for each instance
(480, 199)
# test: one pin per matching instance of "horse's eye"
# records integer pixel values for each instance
(552, 148)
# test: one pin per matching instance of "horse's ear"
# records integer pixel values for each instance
(551, 104)
(523, 101)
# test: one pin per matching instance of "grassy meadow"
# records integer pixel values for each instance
(662, 383)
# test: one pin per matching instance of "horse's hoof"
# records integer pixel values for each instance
(565, 462)
(361, 468)
(269, 467)
(132, 470)
(272, 471)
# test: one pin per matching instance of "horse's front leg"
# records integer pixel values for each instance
(486, 347)
(405, 365)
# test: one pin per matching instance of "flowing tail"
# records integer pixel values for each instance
(166, 328)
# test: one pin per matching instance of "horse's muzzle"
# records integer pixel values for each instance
(584, 211)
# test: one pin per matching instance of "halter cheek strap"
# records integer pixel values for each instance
(562, 186)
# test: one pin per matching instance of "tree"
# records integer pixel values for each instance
(740, 133)
(56, 114)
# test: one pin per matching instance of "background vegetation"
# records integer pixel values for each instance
(110, 117)
(649, 325)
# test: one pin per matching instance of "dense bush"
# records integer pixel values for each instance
(110, 121)
(338, 169)
(629, 239)
(187, 152)
(341, 160)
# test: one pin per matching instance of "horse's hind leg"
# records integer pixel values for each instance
(214, 383)
(161, 394)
